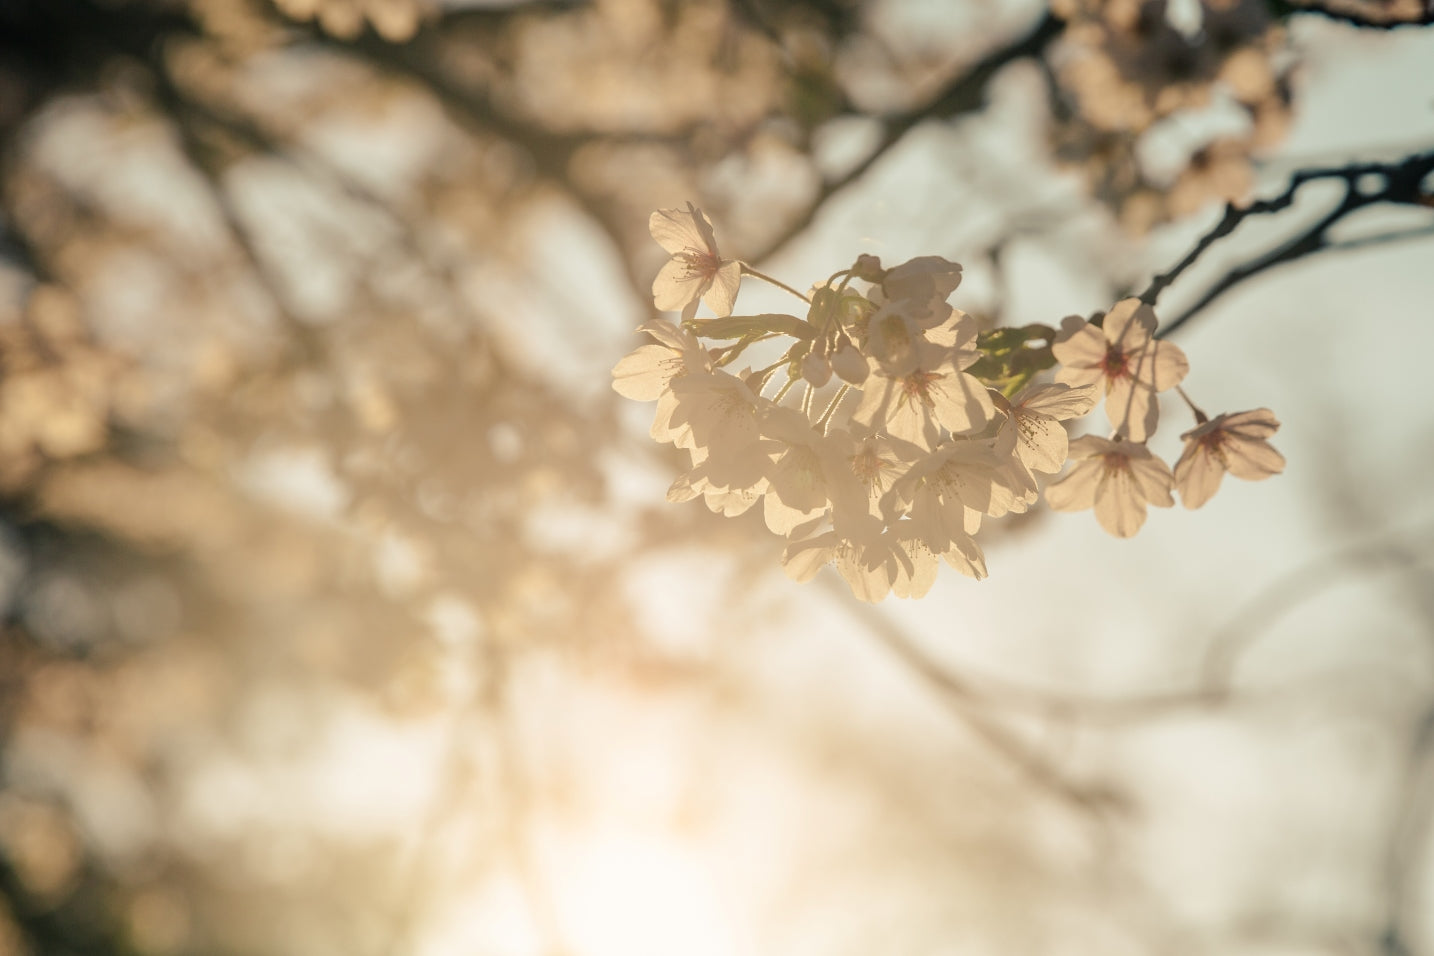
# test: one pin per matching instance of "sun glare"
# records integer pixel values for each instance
(629, 895)
(607, 894)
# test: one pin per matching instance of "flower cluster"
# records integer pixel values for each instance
(895, 425)
(1130, 67)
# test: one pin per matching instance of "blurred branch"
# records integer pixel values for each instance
(1303, 582)
(962, 95)
(205, 163)
(1403, 184)
(489, 702)
(1409, 834)
(1342, 13)
(252, 135)
(551, 152)
(956, 693)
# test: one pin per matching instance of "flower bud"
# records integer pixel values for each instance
(849, 364)
(816, 369)
(868, 268)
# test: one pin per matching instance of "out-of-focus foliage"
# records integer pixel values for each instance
(316, 502)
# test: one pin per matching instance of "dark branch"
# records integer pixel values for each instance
(962, 95)
(1403, 183)
(1345, 14)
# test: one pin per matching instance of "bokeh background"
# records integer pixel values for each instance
(343, 609)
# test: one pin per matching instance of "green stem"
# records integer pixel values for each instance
(782, 392)
(836, 400)
(748, 270)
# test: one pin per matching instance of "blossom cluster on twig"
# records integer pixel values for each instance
(891, 425)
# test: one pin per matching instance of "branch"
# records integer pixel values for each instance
(1315, 577)
(962, 95)
(968, 703)
(1403, 184)
(1341, 13)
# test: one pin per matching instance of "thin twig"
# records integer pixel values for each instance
(962, 95)
(1346, 14)
(1403, 184)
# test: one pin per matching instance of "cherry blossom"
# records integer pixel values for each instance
(888, 487)
(1233, 442)
(935, 393)
(1122, 354)
(1034, 417)
(696, 270)
(647, 373)
(1118, 478)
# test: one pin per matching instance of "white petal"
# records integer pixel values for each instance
(1252, 460)
(1163, 365)
(1076, 490)
(677, 285)
(1197, 475)
(676, 230)
(1152, 480)
(1259, 423)
(1041, 442)
(1080, 349)
(723, 294)
(1117, 508)
(1058, 400)
(1129, 324)
(1132, 410)
(644, 374)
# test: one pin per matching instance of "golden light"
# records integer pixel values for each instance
(640, 895)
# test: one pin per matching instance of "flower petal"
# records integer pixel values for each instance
(1080, 348)
(644, 374)
(1132, 410)
(1152, 479)
(1259, 423)
(1118, 507)
(1041, 442)
(1163, 365)
(1129, 324)
(1058, 400)
(1252, 460)
(1197, 475)
(677, 230)
(723, 294)
(1076, 490)
(677, 285)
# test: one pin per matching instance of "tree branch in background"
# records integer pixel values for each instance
(1403, 184)
(1354, 14)
(961, 697)
(962, 95)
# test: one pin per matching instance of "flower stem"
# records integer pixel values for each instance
(782, 392)
(764, 375)
(1200, 417)
(729, 353)
(807, 401)
(748, 270)
(827, 415)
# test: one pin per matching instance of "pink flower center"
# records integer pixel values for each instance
(1214, 444)
(699, 264)
(917, 386)
(1115, 462)
(1116, 364)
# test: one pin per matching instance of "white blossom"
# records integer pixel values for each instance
(1118, 478)
(1123, 355)
(696, 270)
(1233, 442)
